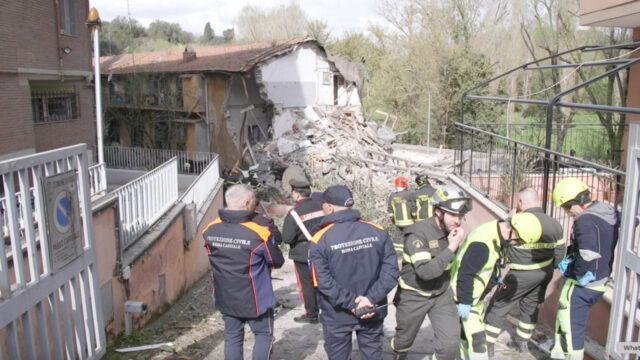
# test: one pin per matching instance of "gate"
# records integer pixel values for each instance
(623, 339)
(49, 300)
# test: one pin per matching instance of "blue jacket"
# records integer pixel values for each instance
(241, 253)
(593, 239)
(351, 258)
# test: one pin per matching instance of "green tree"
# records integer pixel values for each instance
(171, 32)
(120, 35)
(318, 30)
(209, 34)
(229, 35)
(280, 22)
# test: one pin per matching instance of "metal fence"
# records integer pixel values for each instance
(49, 297)
(144, 200)
(499, 167)
(201, 188)
(189, 162)
(593, 142)
(98, 178)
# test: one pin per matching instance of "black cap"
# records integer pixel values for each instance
(299, 184)
(339, 195)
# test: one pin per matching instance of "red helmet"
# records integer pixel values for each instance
(402, 182)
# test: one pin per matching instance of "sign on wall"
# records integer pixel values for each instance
(63, 218)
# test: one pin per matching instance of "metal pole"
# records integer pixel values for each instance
(93, 21)
(429, 120)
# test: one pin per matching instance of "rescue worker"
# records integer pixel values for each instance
(477, 267)
(423, 209)
(242, 254)
(531, 268)
(423, 286)
(296, 231)
(400, 209)
(354, 268)
(587, 266)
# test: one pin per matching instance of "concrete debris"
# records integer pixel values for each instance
(341, 147)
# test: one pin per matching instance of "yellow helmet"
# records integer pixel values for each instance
(568, 189)
(527, 226)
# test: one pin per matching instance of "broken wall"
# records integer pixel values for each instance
(301, 78)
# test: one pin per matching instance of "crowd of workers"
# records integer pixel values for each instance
(345, 268)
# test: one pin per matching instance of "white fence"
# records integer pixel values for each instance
(98, 178)
(627, 262)
(189, 162)
(143, 201)
(49, 301)
(201, 188)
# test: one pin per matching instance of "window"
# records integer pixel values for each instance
(67, 15)
(54, 105)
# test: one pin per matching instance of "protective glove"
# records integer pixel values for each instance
(464, 310)
(564, 264)
(586, 278)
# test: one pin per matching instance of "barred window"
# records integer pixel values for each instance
(51, 105)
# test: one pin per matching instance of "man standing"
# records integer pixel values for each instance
(296, 231)
(477, 266)
(242, 254)
(354, 268)
(587, 266)
(423, 209)
(400, 208)
(531, 268)
(423, 286)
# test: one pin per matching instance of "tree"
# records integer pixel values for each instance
(229, 35)
(120, 35)
(281, 22)
(170, 32)
(318, 30)
(209, 34)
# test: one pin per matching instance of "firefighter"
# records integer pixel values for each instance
(477, 267)
(423, 208)
(400, 209)
(423, 286)
(296, 231)
(531, 268)
(586, 267)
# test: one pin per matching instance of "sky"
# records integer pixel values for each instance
(192, 15)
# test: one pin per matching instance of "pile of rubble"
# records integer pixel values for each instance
(341, 147)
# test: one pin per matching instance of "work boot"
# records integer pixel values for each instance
(400, 355)
(521, 345)
(491, 350)
(306, 318)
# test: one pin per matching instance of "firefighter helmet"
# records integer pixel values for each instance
(568, 189)
(527, 226)
(421, 179)
(402, 182)
(452, 198)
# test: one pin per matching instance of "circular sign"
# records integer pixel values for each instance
(63, 213)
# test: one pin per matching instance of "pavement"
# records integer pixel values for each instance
(196, 329)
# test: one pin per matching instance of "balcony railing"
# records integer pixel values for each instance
(98, 178)
(189, 162)
(201, 188)
(144, 200)
(499, 167)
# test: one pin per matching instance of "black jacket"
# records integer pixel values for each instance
(350, 258)
(241, 253)
(264, 220)
(311, 214)
(548, 251)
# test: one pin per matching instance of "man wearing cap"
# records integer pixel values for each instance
(242, 254)
(296, 231)
(423, 208)
(530, 271)
(354, 266)
(587, 267)
(477, 267)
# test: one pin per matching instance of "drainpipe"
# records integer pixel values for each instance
(206, 111)
(132, 307)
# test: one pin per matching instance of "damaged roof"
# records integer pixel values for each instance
(229, 58)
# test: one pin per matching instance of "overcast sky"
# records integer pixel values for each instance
(192, 15)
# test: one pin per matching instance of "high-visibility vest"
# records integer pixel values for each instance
(487, 234)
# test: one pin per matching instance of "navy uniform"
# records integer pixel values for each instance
(401, 208)
(587, 267)
(531, 269)
(423, 208)
(310, 214)
(242, 254)
(351, 259)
